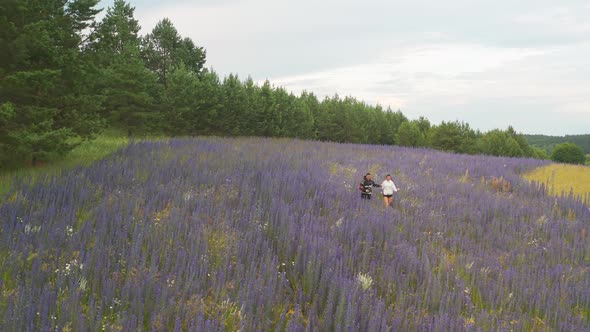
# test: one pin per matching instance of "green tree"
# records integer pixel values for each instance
(507, 143)
(207, 111)
(394, 120)
(192, 56)
(424, 126)
(117, 31)
(548, 142)
(235, 102)
(194, 105)
(129, 89)
(267, 113)
(413, 133)
(292, 116)
(454, 136)
(47, 105)
(409, 134)
(568, 153)
(164, 49)
(301, 123)
(326, 128)
(251, 118)
(381, 130)
(311, 103)
(283, 112)
(500, 143)
(158, 49)
(539, 153)
(527, 151)
(181, 100)
(336, 121)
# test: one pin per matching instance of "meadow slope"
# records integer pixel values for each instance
(253, 234)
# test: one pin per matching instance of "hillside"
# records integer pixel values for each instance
(548, 142)
(247, 234)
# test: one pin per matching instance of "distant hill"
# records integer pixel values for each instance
(548, 142)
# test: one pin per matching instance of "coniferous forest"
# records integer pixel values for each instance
(65, 76)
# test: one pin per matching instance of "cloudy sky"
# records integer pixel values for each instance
(491, 63)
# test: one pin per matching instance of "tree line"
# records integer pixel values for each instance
(549, 143)
(65, 76)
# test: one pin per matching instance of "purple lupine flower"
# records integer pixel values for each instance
(242, 226)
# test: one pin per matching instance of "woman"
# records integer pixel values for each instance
(388, 189)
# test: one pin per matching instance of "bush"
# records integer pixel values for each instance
(568, 153)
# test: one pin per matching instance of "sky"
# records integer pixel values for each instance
(490, 63)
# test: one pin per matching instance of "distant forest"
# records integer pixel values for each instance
(66, 76)
(547, 143)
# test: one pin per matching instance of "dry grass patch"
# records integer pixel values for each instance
(561, 178)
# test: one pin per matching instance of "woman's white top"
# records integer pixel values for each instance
(388, 187)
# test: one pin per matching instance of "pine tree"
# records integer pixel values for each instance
(129, 89)
(46, 104)
(234, 105)
(164, 49)
(207, 112)
(180, 101)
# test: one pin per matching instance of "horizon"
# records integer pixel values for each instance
(523, 65)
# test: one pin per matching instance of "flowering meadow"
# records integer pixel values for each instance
(255, 234)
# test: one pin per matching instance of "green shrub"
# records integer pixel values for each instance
(568, 153)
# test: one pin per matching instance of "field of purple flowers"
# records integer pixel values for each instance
(254, 234)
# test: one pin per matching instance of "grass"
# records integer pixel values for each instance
(562, 178)
(83, 155)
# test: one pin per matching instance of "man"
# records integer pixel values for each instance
(366, 186)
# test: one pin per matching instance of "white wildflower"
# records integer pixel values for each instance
(542, 220)
(69, 231)
(364, 280)
(170, 282)
(82, 283)
(187, 195)
(30, 229)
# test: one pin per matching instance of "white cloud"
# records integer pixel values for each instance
(416, 72)
(467, 82)
(565, 19)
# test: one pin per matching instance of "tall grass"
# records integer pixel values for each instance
(563, 179)
(83, 155)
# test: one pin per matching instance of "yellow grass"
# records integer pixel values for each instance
(561, 178)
